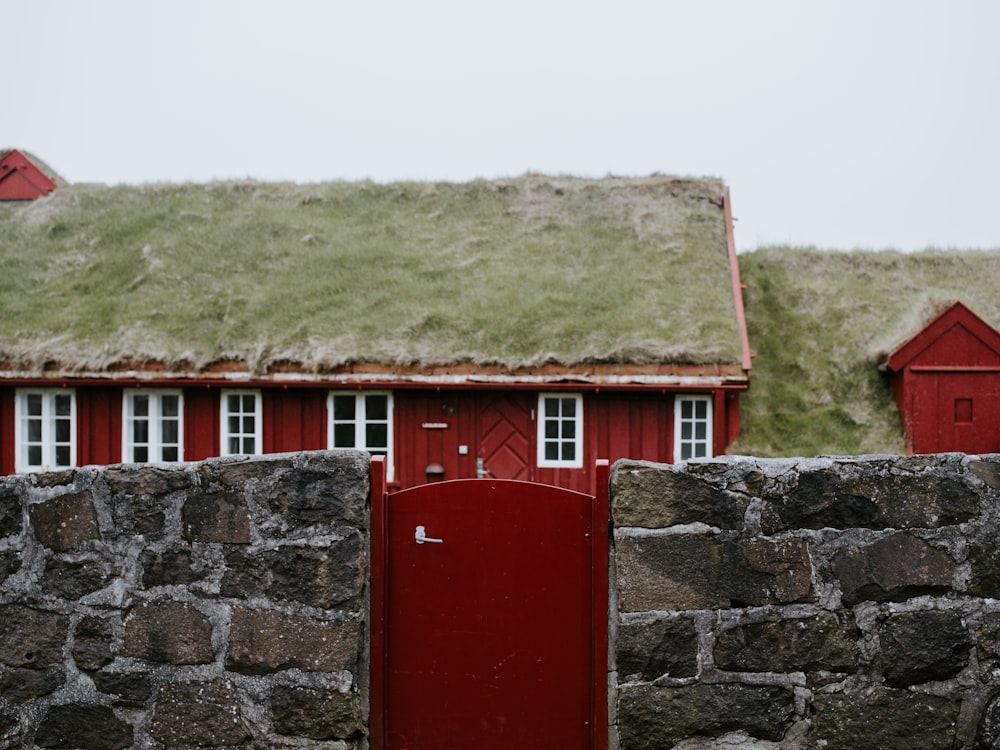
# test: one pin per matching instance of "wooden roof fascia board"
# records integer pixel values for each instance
(955, 314)
(738, 286)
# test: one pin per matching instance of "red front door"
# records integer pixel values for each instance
(506, 435)
(492, 633)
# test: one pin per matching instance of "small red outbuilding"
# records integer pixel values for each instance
(20, 179)
(946, 382)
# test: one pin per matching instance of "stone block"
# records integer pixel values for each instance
(170, 568)
(315, 714)
(139, 515)
(236, 474)
(19, 685)
(31, 637)
(656, 647)
(658, 495)
(329, 490)
(894, 568)
(93, 643)
(65, 522)
(10, 510)
(984, 565)
(216, 517)
(200, 713)
(73, 579)
(262, 641)
(700, 571)
(988, 635)
(324, 577)
(168, 632)
(923, 646)
(651, 718)
(847, 496)
(765, 571)
(131, 689)
(883, 718)
(10, 563)
(65, 726)
(147, 481)
(988, 730)
(823, 642)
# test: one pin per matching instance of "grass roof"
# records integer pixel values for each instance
(517, 272)
(820, 323)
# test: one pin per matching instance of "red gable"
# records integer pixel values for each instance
(20, 180)
(956, 337)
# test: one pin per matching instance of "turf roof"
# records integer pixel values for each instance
(517, 272)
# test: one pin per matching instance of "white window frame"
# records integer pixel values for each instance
(155, 418)
(226, 434)
(700, 447)
(560, 422)
(47, 441)
(361, 422)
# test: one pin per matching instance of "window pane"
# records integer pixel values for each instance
(569, 407)
(168, 432)
(34, 404)
(170, 406)
(234, 445)
(700, 430)
(569, 430)
(685, 431)
(685, 452)
(170, 454)
(687, 409)
(140, 431)
(62, 455)
(34, 430)
(343, 407)
(233, 404)
(140, 454)
(343, 436)
(376, 436)
(376, 407)
(568, 451)
(551, 406)
(63, 402)
(34, 455)
(249, 403)
(234, 425)
(248, 425)
(140, 406)
(701, 409)
(249, 445)
(551, 429)
(62, 431)
(552, 451)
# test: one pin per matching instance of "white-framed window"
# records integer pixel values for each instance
(692, 427)
(242, 423)
(45, 429)
(153, 426)
(560, 430)
(362, 420)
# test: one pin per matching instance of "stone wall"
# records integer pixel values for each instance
(217, 604)
(822, 603)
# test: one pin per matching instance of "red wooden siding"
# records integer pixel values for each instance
(201, 423)
(21, 180)
(99, 425)
(7, 430)
(294, 420)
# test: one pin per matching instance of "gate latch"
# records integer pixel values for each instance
(421, 537)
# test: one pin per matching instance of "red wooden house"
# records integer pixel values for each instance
(20, 179)
(946, 383)
(514, 328)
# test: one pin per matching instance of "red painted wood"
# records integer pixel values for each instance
(201, 423)
(294, 420)
(954, 358)
(7, 451)
(99, 426)
(378, 498)
(21, 180)
(506, 434)
(490, 637)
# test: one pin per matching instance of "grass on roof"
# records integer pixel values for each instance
(517, 272)
(821, 321)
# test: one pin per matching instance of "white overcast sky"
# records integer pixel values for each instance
(840, 124)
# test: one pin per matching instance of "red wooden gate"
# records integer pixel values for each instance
(489, 615)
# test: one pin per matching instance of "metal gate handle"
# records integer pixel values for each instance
(421, 537)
